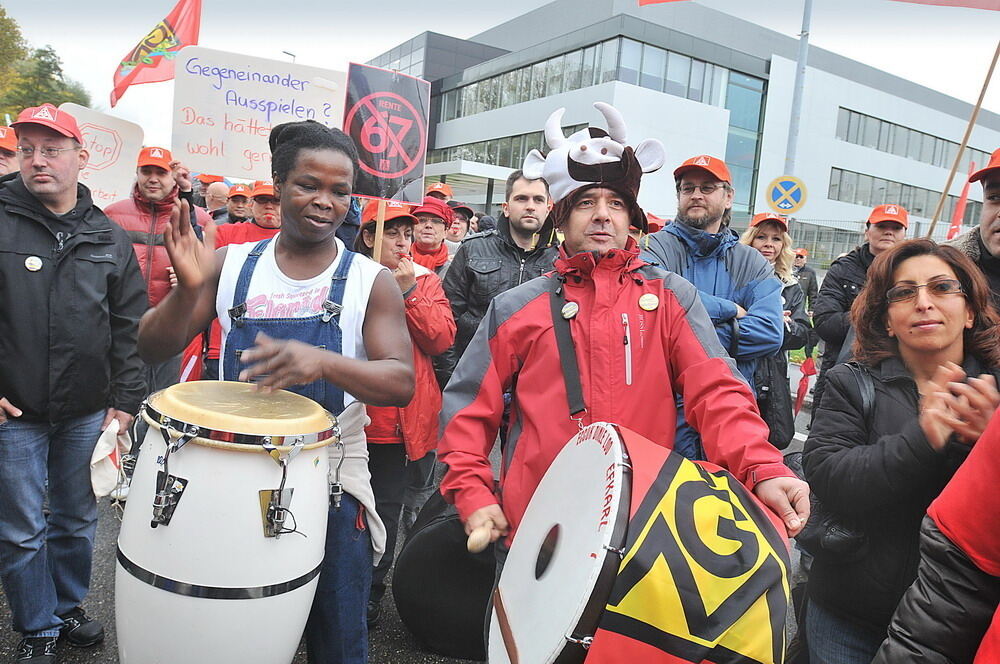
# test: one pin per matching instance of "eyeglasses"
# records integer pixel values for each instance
(47, 152)
(937, 288)
(265, 200)
(705, 189)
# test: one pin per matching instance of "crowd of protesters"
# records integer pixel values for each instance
(445, 344)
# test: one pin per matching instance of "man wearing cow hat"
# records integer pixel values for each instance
(736, 284)
(640, 335)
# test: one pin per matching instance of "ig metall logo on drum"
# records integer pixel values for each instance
(704, 575)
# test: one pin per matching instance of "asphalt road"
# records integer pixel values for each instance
(390, 642)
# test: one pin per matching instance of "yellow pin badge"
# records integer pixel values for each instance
(648, 302)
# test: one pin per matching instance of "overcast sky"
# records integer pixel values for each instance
(944, 48)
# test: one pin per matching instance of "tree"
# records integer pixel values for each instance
(37, 79)
(12, 49)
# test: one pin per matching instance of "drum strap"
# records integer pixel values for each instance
(567, 351)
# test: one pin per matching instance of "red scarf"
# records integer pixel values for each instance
(432, 260)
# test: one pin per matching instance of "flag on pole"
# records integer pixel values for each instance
(956, 219)
(152, 59)
(655, 2)
(971, 4)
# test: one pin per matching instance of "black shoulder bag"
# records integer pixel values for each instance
(828, 537)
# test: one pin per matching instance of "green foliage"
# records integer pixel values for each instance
(37, 79)
(799, 356)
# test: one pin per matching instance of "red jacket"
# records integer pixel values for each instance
(432, 329)
(670, 347)
(144, 222)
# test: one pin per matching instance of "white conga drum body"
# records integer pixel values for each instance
(565, 554)
(214, 563)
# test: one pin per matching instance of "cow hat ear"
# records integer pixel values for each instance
(534, 165)
(651, 155)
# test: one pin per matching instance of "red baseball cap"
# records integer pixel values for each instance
(654, 223)
(469, 212)
(716, 167)
(239, 190)
(154, 156)
(440, 187)
(759, 219)
(436, 207)
(207, 179)
(49, 116)
(801, 251)
(889, 212)
(262, 189)
(393, 210)
(8, 139)
(991, 168)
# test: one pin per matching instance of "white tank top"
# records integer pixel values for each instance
(273, 294)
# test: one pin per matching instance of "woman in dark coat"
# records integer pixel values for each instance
(927, 338)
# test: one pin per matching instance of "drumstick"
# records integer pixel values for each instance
(479, 538)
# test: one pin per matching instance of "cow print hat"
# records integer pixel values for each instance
(593, 157)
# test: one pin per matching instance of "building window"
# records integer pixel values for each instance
(678, 73)
(869, 191)
(654, 63)
(630, 62)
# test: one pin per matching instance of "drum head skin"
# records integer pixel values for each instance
(240, 408)
(563, 559)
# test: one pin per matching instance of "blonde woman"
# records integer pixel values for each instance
(768, 234)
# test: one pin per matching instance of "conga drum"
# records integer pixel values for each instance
(629, 552)
(223, 534)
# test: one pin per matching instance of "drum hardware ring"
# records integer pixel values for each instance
(579, 420)
(277, 512)
(619, 552)
(167, 492)
(336, 488)
(584, 643)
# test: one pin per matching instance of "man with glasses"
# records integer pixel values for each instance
(71, 294)
(886, 225)
(736, 284)
(982, 244)
(8, 151)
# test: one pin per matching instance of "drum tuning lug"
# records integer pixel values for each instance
(169, 491)
(274, 504)
(619, 552)
(336, 493)
(584, 643)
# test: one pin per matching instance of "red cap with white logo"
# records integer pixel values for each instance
(49, 116)
(155, 157)
(716, 167)
(890, 212)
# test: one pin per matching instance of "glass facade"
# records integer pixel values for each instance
(508, 151)
(629, 61)
(868, 190)
(871, 132)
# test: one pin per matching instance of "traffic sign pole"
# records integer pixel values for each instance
(800, 82)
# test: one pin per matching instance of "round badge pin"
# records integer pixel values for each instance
(570, 310)
(648, 302)
(33, 263)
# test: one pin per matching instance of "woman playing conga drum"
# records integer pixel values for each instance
(302, 312)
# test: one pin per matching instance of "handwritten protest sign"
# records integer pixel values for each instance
(113, 145)
(386, 117)
(226, 103)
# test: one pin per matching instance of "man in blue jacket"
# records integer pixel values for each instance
(736, 283)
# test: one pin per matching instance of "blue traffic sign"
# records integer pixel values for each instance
(786, 194)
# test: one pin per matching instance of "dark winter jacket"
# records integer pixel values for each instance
(486, 265)
(809, 284)
(726, 273)
(832, 310)
(878, 475)
(71, 295)
(944, 616)
(971, 244)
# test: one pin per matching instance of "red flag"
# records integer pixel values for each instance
(808, 368)
(655, 2)
(971, 4)
(152, 59)
(956, 219)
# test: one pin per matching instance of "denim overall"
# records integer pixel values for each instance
(321, 330)
(336, 630)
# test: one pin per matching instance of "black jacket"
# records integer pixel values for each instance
(67, 330)
(486, 265)
(943, 616)
(971, 244)
(809, 284)
(880, 476)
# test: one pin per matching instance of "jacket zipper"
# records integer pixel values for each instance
(520, 274)
(628, 350)
(61, 239)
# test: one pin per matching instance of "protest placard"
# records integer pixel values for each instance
(226, 103)
(386, 117)
(113, 145)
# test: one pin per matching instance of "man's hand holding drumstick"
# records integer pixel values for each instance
(485, 525)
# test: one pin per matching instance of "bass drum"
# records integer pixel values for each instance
(442, 592)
